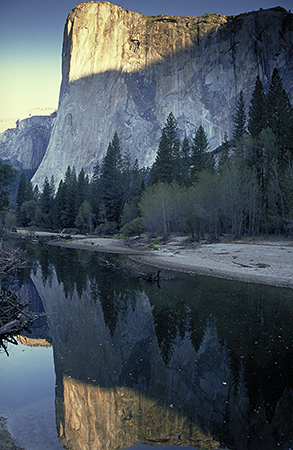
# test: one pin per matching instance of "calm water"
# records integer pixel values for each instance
(194, 362)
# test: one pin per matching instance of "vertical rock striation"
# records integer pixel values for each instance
(125, 72)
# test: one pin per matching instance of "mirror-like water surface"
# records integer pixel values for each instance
(194, 361)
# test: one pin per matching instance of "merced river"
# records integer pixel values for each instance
(120, 363)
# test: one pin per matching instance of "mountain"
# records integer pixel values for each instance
(125, 72)
(24, 145)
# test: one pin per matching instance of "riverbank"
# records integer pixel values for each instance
(264, 262)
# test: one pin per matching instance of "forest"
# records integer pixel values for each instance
(245, 187)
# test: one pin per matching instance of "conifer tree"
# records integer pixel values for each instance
(46, 201)
(162, 167)
(280, 116)
(36, 193)
(239, 119)
(20, 199)
(69, 212)
(94, 190)
(111, 181)
(166, 167)
(257, 110)
(224, 155)
(201, 159)
(29, 193)
(185, 162)
(172, 133)
(81, 189)
(59, 205)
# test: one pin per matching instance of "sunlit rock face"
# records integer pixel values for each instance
(24, 146)
(126, 72)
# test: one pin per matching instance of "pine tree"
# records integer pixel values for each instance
(46, 201)
(172, 133)
(36, 193)
(59, 205)
(201, 159)
(280, 116)
(82, 189)
(111, 181)
(69, 212)
(185, 161)
(239, 119)
(166, 167)
(94, 190)
(7, 176)
(162, 167)
(20, 199)
(29, 193)
(257, 110)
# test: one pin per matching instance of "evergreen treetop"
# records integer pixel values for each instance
(257, 110)
(239, 123)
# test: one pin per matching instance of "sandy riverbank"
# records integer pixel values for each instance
(265, 262)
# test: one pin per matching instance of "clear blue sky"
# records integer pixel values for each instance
(31, 33)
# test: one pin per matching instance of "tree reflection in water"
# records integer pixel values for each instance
(195, 361)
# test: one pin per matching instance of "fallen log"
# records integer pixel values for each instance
(131, 270)
(10, 327)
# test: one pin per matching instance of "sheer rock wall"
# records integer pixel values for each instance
(125, 72)
(25, 145)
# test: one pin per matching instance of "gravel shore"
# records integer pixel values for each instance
(265, 262)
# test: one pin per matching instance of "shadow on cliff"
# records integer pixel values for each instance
(199, 83)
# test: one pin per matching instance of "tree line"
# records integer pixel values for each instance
(243, 187)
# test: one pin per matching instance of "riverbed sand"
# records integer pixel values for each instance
(265, 262)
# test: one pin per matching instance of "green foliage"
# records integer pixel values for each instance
(153, 246)
(156, 207)
(10, 220)
(7, 176)
(257, 110)
(20, 199)
(111, 181)
(184, 162)
(239, 123)
(250, 191)
(280, 116)
(166, 167)
(201, 158)
(68, 197)
(46, 202)
(133, 228)
(32, 211)
(224, 155)
(85, 219)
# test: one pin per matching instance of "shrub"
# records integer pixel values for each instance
(132, 228)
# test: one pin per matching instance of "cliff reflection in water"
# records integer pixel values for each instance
(197, 361)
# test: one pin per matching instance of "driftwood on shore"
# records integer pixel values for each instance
(133, 271)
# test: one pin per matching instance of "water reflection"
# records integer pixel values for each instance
(197, 361)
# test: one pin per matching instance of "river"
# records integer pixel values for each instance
(191, 361)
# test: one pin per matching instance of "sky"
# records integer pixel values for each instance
(31, 34)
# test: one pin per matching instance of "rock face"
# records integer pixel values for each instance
(24, 146)
(126, 72)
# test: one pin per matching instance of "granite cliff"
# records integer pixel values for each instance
(125, 72)
(24, 145)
